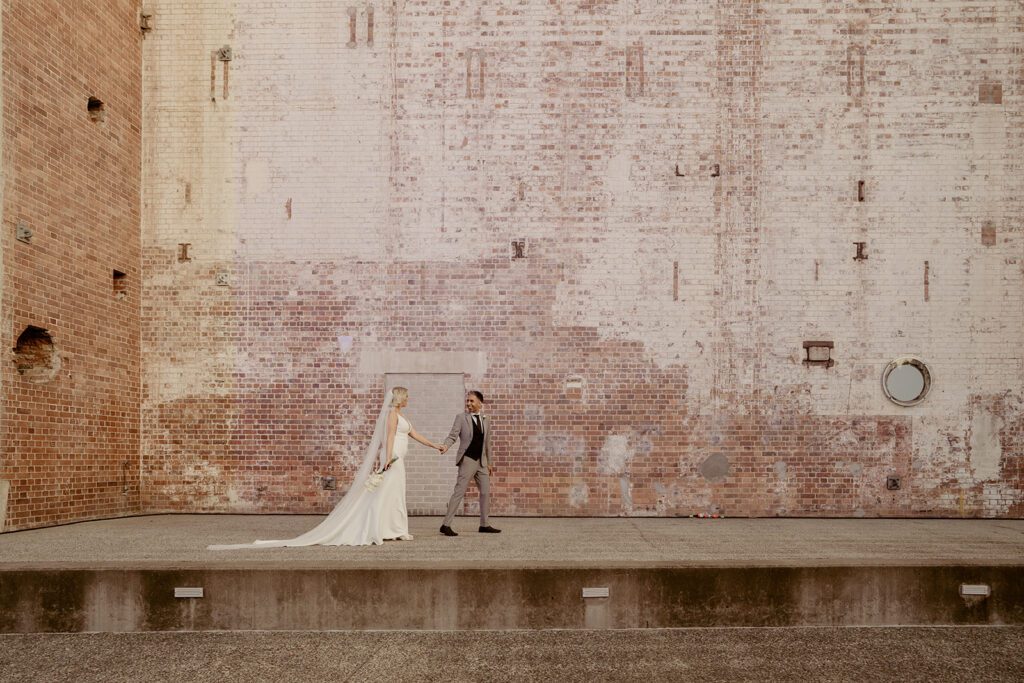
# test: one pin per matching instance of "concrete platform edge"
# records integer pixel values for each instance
(100, 600)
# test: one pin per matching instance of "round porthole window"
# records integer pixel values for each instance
(906, 381)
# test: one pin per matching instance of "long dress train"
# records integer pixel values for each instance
(363, 516)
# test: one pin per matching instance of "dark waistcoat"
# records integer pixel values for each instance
(476, 446)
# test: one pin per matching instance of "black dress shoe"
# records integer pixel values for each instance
(447, 531)
(489, 530)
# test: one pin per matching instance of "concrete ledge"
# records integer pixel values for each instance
(470, 599)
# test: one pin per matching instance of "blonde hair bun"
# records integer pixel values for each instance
(399, 396)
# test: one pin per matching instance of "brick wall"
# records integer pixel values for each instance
(620, 220)
(71, 177)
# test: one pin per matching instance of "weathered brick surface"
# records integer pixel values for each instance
(70, 434)
(687, 181)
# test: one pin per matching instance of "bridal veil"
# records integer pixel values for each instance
(331, 531)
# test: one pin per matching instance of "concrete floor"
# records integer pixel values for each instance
(835, 654)
(179, 541)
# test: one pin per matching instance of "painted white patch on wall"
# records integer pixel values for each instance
(615, 454)
(997, 498)
(985, 448)
(257, 177)
(5, 488)
(780, 470)
(579, 494)
(627, 497)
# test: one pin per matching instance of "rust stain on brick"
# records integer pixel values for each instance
(855, 82)
(475, 62)
(988, 235)
(926, 280)
(990, 93)
(635, 78)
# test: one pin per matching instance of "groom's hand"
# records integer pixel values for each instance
(443, 449)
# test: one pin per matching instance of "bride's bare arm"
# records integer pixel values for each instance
(392, 429)
(423, 440)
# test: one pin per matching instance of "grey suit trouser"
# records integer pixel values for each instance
(469, 469)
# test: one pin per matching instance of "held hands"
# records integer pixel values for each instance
(442, 449)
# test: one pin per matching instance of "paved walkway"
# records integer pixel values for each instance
(179, 541)
(747, 654)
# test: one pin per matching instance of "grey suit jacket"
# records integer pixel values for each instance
(463, 431)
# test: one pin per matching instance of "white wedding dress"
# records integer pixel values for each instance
(363, 516)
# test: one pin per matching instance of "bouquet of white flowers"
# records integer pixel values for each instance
(377, 476)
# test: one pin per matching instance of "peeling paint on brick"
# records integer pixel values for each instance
(418, 161)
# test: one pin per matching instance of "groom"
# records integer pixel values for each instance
(474, 461)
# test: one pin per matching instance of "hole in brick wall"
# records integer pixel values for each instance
(862, 251)
(24, 233)
(860, 190)
(518, 249)
(906, 381)
(183, 254)
(96, 110)
(892, 483)
(120, 285)
(819, 353)
(35, 356)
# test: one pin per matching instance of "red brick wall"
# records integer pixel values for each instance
(686, 177)
(71, 439)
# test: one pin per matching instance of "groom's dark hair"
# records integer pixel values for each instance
(478, 395)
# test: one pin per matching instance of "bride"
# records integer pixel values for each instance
(373, 510)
